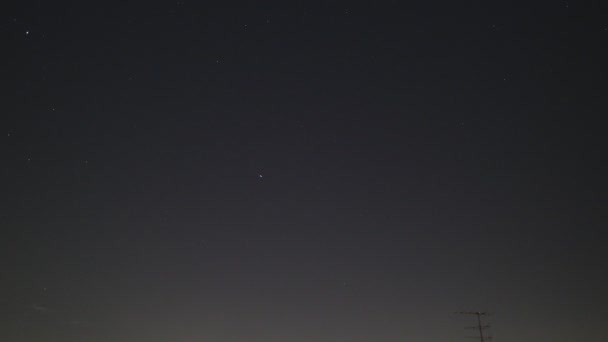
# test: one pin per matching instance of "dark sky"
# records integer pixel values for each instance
(303, 171)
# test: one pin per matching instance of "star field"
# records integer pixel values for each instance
(302, 171)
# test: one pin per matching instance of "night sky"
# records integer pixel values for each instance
(303, 171)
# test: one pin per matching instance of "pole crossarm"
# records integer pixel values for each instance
(479, 325)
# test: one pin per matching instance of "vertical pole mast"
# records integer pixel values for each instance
(479, 326)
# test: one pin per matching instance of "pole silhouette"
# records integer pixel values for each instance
(479, 326)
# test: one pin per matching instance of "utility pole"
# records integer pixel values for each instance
(479, 326)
